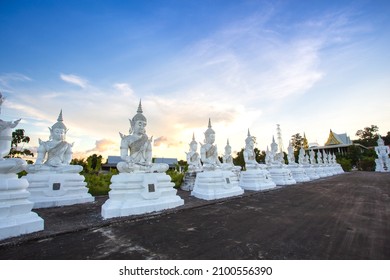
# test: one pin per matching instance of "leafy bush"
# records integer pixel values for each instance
(345, 163)
(367, 164)
(176, 177)
(98, 184)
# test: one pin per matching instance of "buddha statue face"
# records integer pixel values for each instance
(139, 127)
(58, 134)
(194, 146)
(210, 138)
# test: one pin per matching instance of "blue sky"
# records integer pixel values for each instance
(310, 66)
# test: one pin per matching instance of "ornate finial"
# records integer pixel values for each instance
(59, 124)
(209, 129)
(227, 142)
(249, 134)
(139, 107)
(193, 139)
(60, 119)
(139, 116)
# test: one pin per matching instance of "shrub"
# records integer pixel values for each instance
(345, 163)
(176, 177)
(367, 164)
(98, 184)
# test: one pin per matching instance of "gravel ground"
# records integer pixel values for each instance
(341, 217)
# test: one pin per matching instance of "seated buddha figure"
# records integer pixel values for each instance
(209, 151)
(55, 154)
(193, 157)
(249, 153)
(136, 148)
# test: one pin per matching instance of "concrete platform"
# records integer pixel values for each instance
(345, 216)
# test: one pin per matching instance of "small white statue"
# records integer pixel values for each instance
(55, 154)
(312, 157)
(325, 157)
(136, 148)
(193, 157)
(302, 157)
(249, 153)
(383, 161)
(290, 154)
(319, 157)
(209, 151)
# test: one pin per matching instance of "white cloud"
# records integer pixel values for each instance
(74, 79)
(124, 88)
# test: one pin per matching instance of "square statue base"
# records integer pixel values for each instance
(298, 173)
(16, 217)
(281, 176)
(139, 193)
(57, 189)
(256, 180)
(210, 185)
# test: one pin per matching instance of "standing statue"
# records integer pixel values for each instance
(319, 157)
(209, 151)
(383, 161)
(55, 154)
(136, 148)
(193, 157)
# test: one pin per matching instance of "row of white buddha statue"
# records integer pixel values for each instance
(258, 176)
(141, 186)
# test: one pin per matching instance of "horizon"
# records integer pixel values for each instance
(309, 67)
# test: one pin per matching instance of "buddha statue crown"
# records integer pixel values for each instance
(59, 124)
(193, 140)
(250, 138)
(227, 147)
(209, 130)
(380, 141)
(139, 116)
(274, 146)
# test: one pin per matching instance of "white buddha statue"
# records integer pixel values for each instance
(209, 151)
(312, 157)
(193, 157)
(319, 157)
(249, 153)
(302, 157)
(290, 154)
(136, 148)
(55, 154)
(382, 151)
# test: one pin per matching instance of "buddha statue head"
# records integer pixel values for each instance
(58, 130)
(228, 148)
(193, 144)
(138, 122)
(380, 141)
(209, 134)
(250, 140)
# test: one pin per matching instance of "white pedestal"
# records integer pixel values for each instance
(298, 173)
(281, 176)
(57, 189)
(256, 180)
(311, 172)
(210, 185)
(16, 217)
(320, 171)
(139, 193)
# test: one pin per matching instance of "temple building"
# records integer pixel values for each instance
(337, 143)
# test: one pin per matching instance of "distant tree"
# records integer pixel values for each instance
(16, 150)
(386, 138)
(297, 141)
(368, 136)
